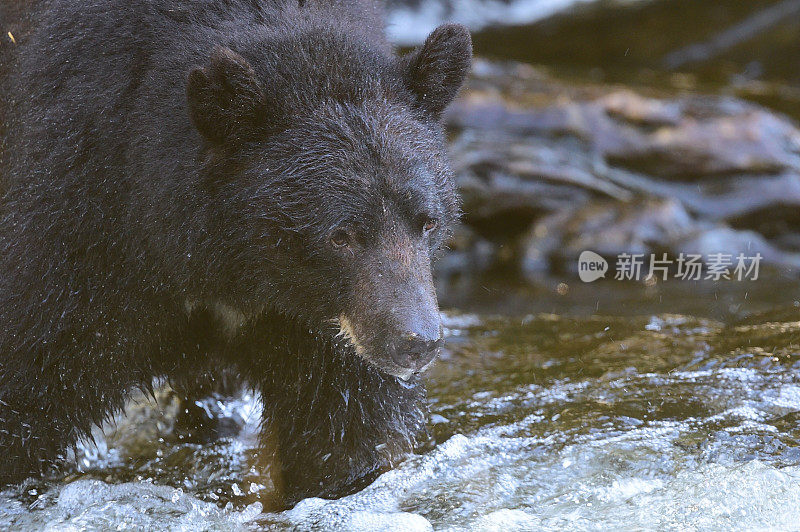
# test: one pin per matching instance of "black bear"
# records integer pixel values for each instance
(195, 185)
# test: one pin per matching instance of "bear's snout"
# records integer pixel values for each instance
(398, 346)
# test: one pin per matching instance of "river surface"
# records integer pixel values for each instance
(585, 421)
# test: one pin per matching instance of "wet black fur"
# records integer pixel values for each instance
(117, 212)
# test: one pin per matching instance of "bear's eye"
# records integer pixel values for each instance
(340, 238)
(429, 224)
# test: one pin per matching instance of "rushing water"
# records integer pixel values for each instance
(542, 421)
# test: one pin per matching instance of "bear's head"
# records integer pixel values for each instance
(330, 189)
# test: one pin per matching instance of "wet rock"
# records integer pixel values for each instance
(711, 137)
(722, 239)
(548, 169)
(642, 227)
(507, 183)
(607, 228)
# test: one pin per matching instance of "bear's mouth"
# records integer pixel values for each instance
(382, 362)
(347, 332)
(340, 334)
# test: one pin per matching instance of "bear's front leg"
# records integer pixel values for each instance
(336, 424)
(333, 421)
(66, 370)
(45, 409)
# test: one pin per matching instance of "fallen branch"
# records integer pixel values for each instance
(737, 34)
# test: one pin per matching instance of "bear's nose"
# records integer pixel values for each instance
(415, 351)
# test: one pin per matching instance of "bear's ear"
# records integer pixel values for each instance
(225, 98)
(436, 70)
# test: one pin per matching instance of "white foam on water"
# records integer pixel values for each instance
(639, 478)
(96, 505)
(788, 397)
